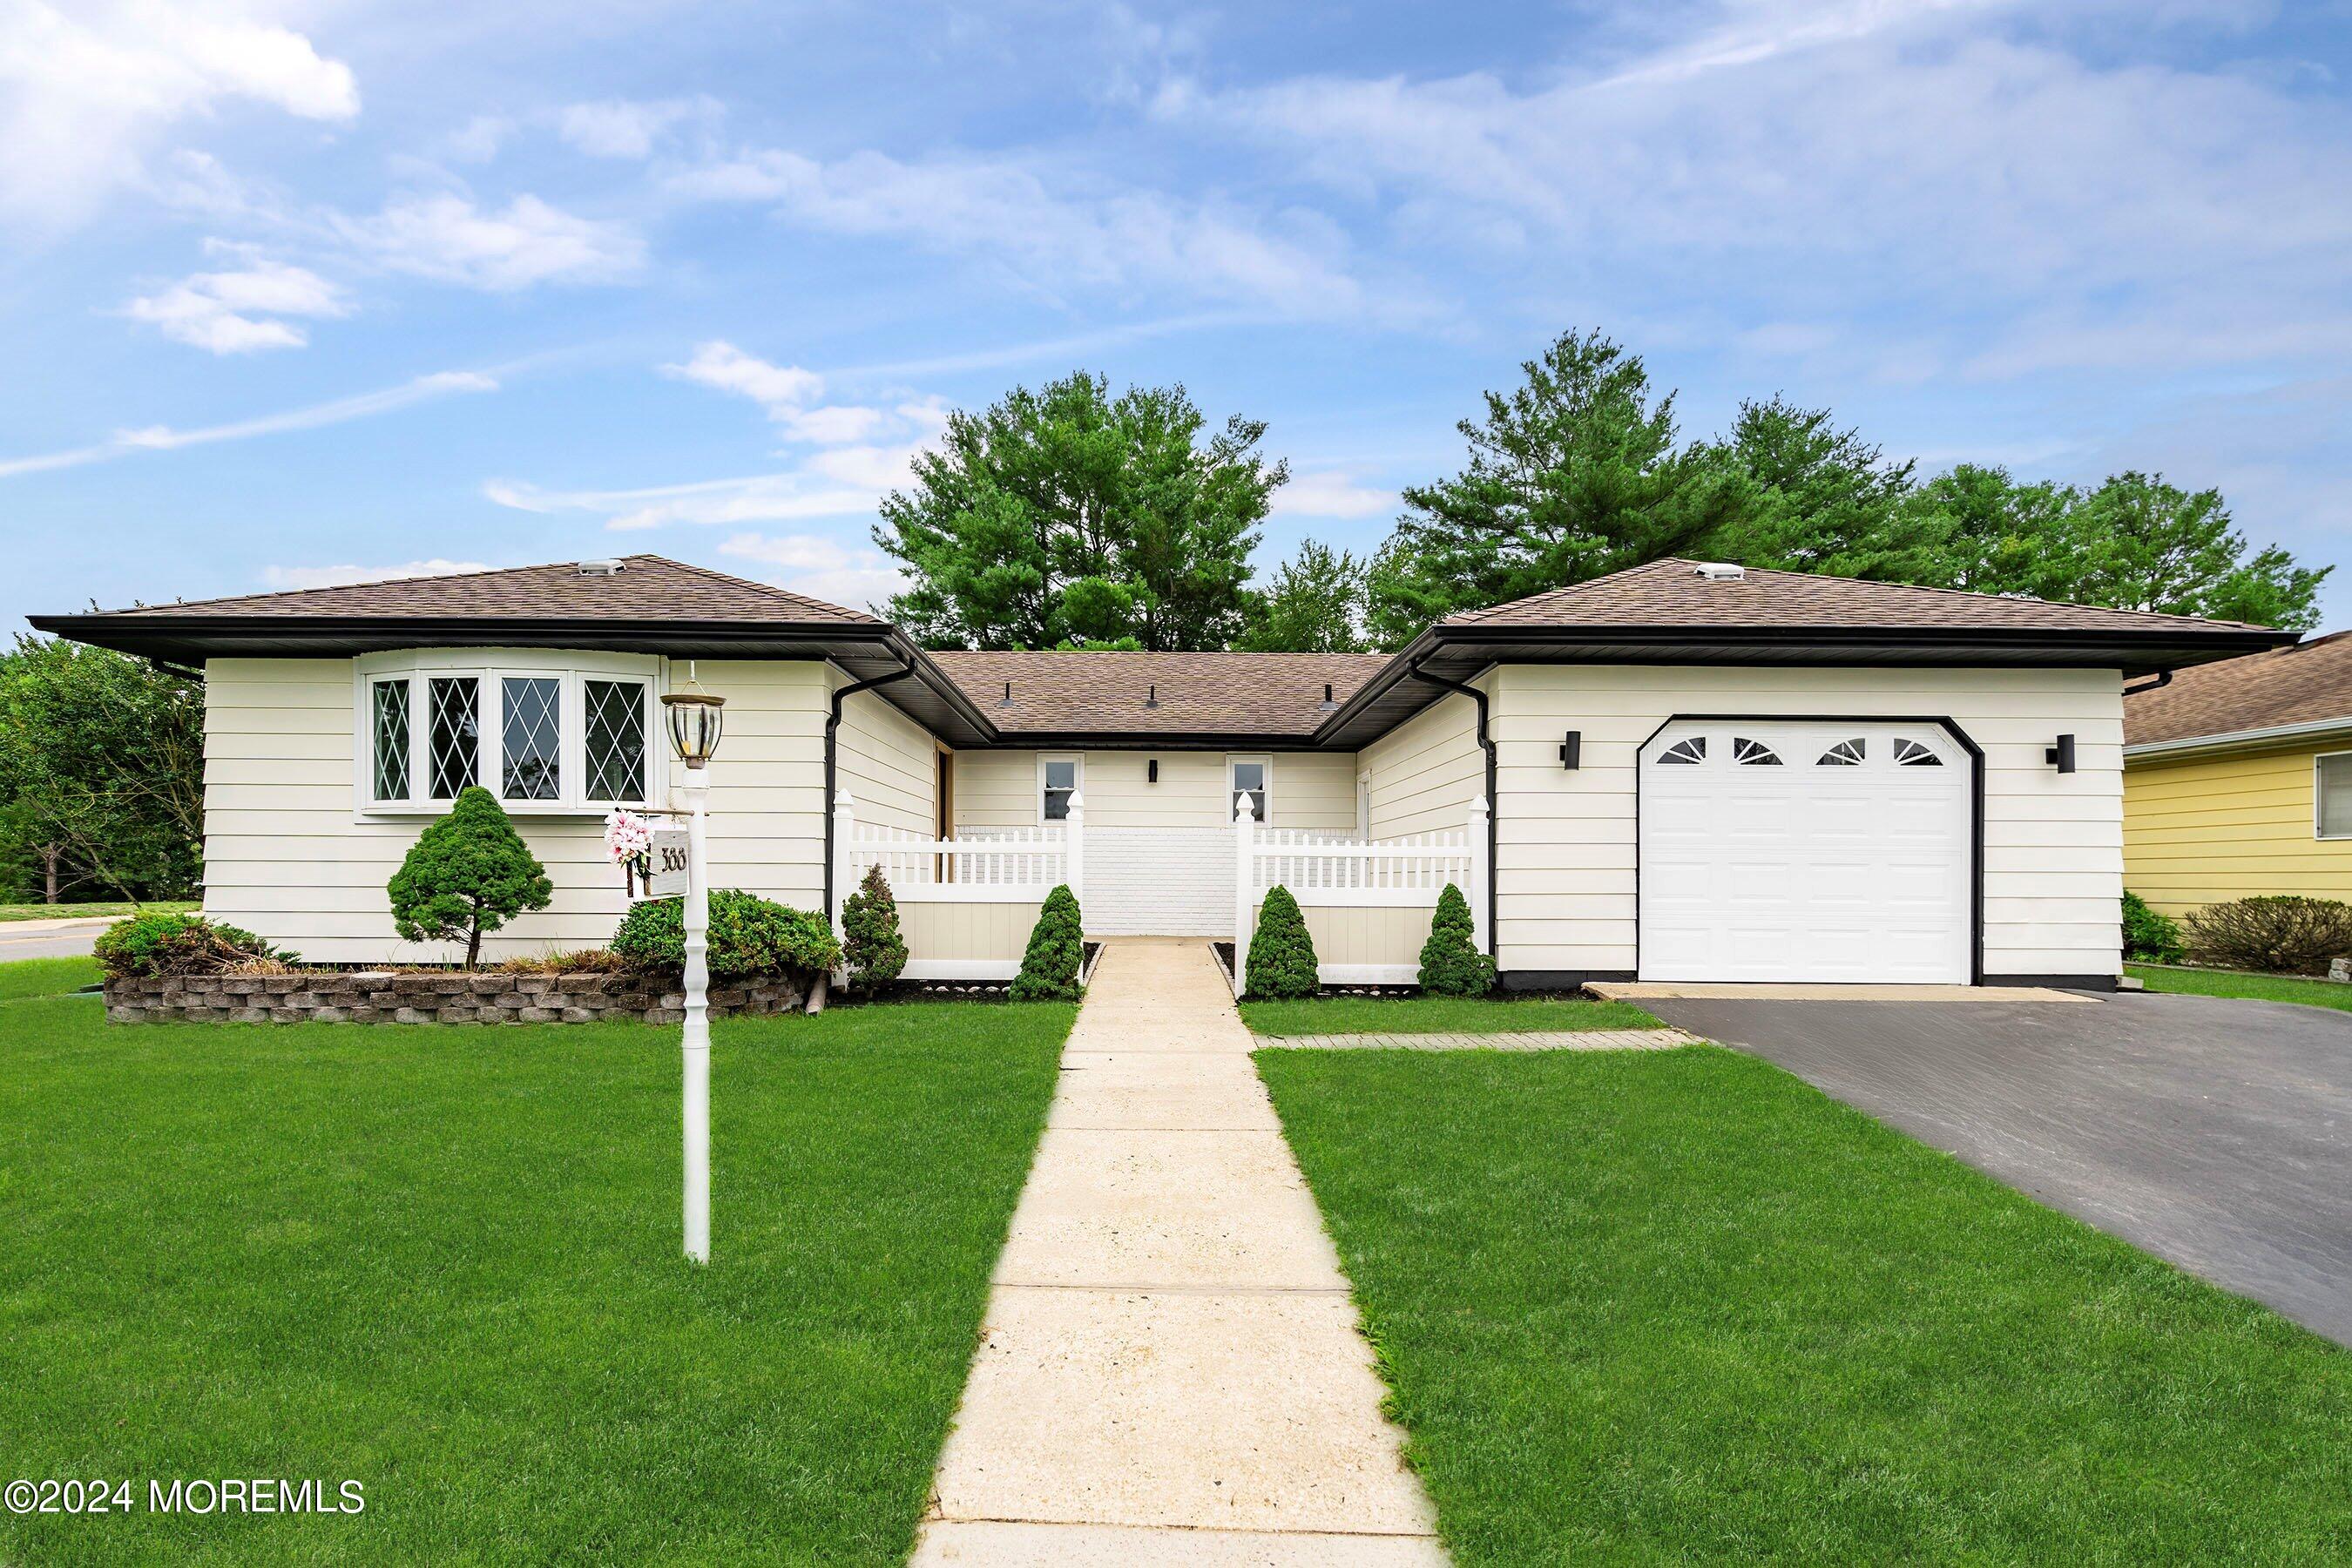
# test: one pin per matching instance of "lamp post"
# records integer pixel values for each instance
(695, 721)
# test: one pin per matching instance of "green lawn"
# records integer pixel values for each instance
(444, 1262)
(1676, 1305)
(84, 912)
(45, 976)
(2235, 982)
(1438, 1015)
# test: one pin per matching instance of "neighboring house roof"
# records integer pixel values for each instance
(2309, 687)
(1235, 695)
(1672, 593)
(1668, 612)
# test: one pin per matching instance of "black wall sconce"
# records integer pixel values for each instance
(1571, 751)
(2062, 754)
(1152, 771)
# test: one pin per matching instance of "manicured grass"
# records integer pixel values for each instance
(1676, 1305)
(1438, 1015)
(24, 977)
(86, 911)
(444, 1262)
(2236, 983)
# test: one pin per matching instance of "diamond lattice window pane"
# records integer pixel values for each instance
(532, 737)
(455, 741)
(391, 730)
(615, 738)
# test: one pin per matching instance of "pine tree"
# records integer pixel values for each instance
(1282, 953)
(871, 944)
(465, 875)
(1049, 970)
(1451, 964)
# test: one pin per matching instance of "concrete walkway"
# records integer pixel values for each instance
(1170, 1371)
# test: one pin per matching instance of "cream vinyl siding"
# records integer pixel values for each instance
(887, 763)
(1311, 789)
(1427, 771)
(288, 855)
(1565, 854)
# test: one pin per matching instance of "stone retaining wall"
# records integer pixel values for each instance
(373, 996)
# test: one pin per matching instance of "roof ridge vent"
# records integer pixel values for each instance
(607, 567)
(1720, 572)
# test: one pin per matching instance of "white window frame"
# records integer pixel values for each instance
(2319, 800)
(490, 669)
(1265, 760)
(1077, 761)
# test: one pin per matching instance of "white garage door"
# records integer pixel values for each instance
(1817, 851)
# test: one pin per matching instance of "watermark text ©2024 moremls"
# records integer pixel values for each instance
(199, 1495)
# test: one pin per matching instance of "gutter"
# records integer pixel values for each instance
(1494, 811)
(2233, 740)
(833, 758)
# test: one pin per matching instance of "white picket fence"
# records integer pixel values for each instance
(1328, 873)
(999, 877)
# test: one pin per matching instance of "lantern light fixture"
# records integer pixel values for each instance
(696, 718)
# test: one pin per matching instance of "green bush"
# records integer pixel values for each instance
(2149, 935)
(465, 875)
(160, 943)
(870, 942)
(2280, 935)
(749, 935)
(1451, 964)
(1049, 970)
(1282, 953)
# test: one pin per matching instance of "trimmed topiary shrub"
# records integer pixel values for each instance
(2281, 935)
(749, 935)
(2148, 935)
(1049, 970)
(870, 942)
(161, 944)
(1282, 953)
(465, 875)
(1451, 964)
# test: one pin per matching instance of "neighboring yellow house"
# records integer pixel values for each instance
(2238, 779)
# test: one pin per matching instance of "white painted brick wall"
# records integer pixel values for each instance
(1159, 881)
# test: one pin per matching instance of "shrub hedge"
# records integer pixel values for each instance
(749, 935)
(161, 944)
(2280, 935)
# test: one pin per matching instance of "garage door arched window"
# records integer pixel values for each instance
(1687, 753)
(1910, 753)
(1844, 754)
(1751, 753)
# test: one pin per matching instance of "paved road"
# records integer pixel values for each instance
(2216, 1134)
(48, 939)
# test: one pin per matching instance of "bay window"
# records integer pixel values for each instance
(545, 733)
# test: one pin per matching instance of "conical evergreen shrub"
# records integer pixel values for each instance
(1451, 964)
(465, 875)
(1049, 970)
(1282, 954)
(870, 942)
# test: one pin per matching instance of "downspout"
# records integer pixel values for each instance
(1493, 806)
(832, 759)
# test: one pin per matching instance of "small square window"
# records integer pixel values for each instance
(1248, 778)
(1060, 782)
(2333, 783)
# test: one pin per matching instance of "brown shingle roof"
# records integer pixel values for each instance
(648, 587)
(1273, 694)
(2311, 683)
(1670, 592)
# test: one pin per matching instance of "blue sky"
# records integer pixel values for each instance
(300, 292)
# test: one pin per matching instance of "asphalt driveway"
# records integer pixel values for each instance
(2215, 1133)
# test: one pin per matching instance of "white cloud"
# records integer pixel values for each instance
(87, 90)
(239, 311)
(1331, 495)
(822, 567)
(1294, 262)
(479, 140)
(756, 498)
(449, 238)
(335, 576)
(164, 439)
(625, 128)
(785, 391)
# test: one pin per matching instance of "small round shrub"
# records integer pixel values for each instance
(168, 943)
(1451, 964)
(1049, 970)
(749, 935)
(870, 942)
(2278, 935)
(465, 875)
(1282, 953)
(2149, 935)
